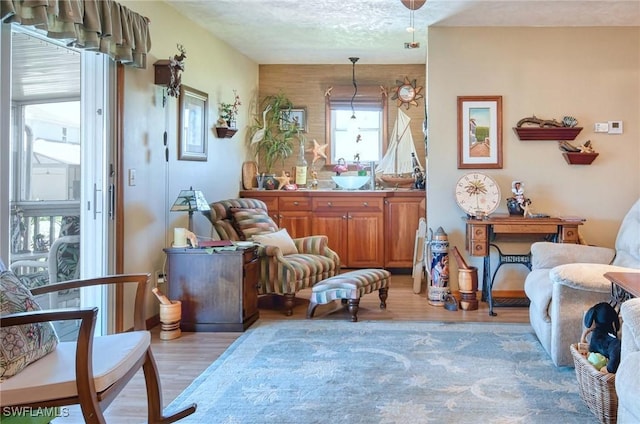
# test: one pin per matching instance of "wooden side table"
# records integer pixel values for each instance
(218, 289)
(482, 233)
(624, 285)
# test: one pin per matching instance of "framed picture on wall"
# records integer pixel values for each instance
(479, 132)
(294, 116)
(192, 124)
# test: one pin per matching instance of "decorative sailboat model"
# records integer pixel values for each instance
(396, 167)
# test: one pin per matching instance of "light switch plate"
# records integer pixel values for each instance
(132, 177)
(601, 127)
(615, 127)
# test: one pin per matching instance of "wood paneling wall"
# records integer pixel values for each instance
(305, 86)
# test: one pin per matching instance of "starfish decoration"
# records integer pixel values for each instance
(318, 151)
(284, 179)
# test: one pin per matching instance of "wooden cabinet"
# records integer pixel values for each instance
(218, 291)
(291, 212)
(366, 228)
(355, 228)
(401, 219)
(294, 214)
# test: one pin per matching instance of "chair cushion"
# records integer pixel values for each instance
(252, 221)
(280, 239)
(21, 345)
(113, 357)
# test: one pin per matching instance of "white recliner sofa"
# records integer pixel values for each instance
(628, 374)
(567, 279)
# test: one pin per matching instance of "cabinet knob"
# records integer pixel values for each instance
(365, 204)
(295, 203)
(329, 204)
(347, 217)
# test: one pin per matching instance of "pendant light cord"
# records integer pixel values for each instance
(355, 86)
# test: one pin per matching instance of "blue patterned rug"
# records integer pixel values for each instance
(302, 371)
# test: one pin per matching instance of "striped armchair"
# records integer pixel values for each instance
(280, 274)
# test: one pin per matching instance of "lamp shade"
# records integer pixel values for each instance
(190, 201)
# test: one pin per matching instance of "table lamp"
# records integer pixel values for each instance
(190, 201)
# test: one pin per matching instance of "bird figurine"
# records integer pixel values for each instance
(259, 135)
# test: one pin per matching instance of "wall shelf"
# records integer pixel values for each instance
(579, 158)
(224, 132)
(538, 133)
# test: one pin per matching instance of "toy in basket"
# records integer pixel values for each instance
(597, 389)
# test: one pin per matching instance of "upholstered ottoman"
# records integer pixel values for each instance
(350, 287)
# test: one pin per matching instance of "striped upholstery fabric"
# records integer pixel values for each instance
(280, 274)
(221, 216)
(350, 285)
(252, 221)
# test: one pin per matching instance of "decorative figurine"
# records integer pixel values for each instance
(518, 204)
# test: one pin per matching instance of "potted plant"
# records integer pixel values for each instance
(226, 124)
(275, 134)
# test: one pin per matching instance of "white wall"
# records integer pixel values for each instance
(592, 74)
(213, 67)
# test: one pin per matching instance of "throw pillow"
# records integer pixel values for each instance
(249, 222)
(281, 239)
(21, 345)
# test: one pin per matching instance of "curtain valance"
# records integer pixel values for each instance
(100, 25)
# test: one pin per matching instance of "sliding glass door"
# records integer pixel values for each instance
(58, 222)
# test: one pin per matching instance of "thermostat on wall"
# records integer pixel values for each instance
(615, 127)
(601, 127)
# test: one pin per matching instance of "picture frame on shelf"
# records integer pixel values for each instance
(479, 132)
(192, 124)
(294, 115)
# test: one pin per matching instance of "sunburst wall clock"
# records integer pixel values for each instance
(407, 93)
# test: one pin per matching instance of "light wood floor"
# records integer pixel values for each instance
(181, 360)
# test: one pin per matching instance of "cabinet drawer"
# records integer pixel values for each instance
(270, 201)
(570, 235)
(295, 204)
(478, 232)
(353, 204)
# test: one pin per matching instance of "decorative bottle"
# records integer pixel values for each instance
(301, 168)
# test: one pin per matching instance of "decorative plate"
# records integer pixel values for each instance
(477, 194)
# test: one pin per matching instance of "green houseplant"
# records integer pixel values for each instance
(274, 135)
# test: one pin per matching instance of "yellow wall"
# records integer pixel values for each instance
(592, 74)
(211, 66)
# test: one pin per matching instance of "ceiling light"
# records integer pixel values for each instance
(412, 5)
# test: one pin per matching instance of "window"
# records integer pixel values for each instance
(366, 135)
(361, 136)
(51, 144)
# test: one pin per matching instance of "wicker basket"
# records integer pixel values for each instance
(597, 389)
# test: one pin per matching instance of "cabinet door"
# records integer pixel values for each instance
(402, 216)
(334, 226)
(365, 240)
(297, 223)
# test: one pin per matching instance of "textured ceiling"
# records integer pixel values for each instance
(329, 31)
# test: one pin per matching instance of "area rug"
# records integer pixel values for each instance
(302, 371)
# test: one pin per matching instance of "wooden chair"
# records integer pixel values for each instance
(92, 371)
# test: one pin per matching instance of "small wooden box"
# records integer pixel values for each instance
(162, 72)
